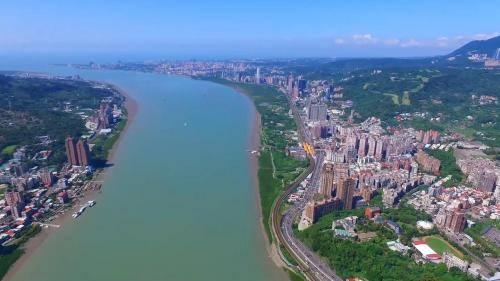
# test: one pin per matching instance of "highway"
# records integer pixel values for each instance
(310, 264)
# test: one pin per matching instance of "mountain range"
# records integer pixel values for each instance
(457, 58)
(489, 47)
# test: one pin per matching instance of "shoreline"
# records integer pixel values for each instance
(34, 243)
(255, 145)
(254, 166)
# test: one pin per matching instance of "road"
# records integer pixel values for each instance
(310, 264)
(320, 269)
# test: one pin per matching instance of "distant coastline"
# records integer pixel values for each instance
(35, 242)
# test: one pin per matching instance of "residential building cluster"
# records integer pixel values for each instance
(482, 173)
(428, 163)
(36, 192)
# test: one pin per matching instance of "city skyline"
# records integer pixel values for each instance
(198, 29)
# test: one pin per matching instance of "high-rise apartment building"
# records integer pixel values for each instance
(345, 192)
(46, 177)
(317, 112)
(372, 144)
(71, 151)
(82, 149)
(301, 85)
(78, 153)
(326, 182)
(366, 193)
(315, 210)
(458, 221)
(379, 150)
(454, 220)
(15, 201)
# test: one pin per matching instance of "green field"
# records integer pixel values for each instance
(406, 98)
(8, 150)
(269, 188)
(394, 97)
(440, 245)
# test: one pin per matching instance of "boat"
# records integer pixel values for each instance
(89, 203)
(77, 214)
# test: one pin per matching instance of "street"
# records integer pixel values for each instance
(309, 262)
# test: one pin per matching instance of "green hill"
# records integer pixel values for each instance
(489, 47)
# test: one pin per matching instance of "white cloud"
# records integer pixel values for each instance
(392, 42)
(339, 41)
(410, 43)
(364, 38)
(446, 42)
(442, 41)
(484, 36)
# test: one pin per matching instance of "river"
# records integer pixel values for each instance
(178, 202)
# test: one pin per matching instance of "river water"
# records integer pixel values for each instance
(178, 203)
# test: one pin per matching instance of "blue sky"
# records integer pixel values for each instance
(307, 28)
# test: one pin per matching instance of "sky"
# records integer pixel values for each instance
(245, 29)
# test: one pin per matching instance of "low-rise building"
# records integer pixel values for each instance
(426, 252)
(371, 212)
(453, 261)
(398, 247)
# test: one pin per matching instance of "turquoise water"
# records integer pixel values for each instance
(178, 204)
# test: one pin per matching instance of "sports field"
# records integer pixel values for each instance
(439, 245)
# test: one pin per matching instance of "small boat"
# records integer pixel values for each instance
(91, 203)
(76, 214)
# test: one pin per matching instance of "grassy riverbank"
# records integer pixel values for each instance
(278, 131)
(11, 253)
